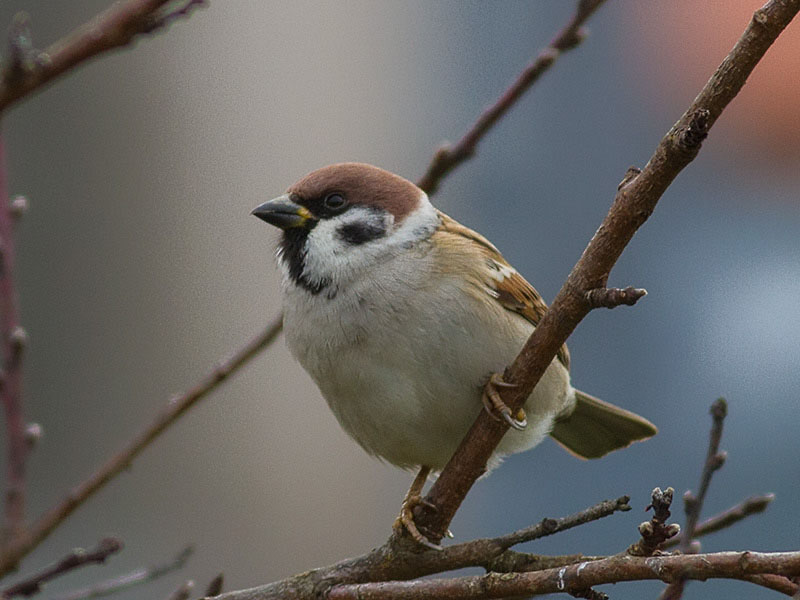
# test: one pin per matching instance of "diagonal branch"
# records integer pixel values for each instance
(449, 157)
(749, 506)
(177, 406)
(134, 578)
(26, 70)
(75, 559)
(115, 28)
(634, 203)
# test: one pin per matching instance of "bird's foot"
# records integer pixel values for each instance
(405, 520)
(494, 404)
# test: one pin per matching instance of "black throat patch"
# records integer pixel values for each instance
(292, 251)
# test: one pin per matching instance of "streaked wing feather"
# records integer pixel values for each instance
(511, 290)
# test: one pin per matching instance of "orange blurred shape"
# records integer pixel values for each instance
(681, 43)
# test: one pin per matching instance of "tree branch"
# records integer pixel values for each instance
(12, 343)
(693, 505)
(134, 578)
(27, 70)
(729, 565)
(401, 559)
(449, 157)
(634, 203)
(177, 406)
(750, 506)
(75, 559)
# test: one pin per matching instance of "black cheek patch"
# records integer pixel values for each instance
(361, 232)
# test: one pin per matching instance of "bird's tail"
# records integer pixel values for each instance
(595, 428)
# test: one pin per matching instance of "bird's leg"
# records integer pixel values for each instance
(414, 498)
(494, 404)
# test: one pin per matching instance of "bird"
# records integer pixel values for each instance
(404, 319)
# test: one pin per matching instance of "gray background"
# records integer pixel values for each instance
(139, 267)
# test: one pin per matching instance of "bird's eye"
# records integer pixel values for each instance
(334, 201)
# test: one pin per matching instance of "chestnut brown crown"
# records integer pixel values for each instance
(356, 184)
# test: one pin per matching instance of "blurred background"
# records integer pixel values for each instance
(140, 266)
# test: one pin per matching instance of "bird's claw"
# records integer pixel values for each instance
(494, 404)
(405, 520)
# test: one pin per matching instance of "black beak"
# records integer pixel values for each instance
(283, 213)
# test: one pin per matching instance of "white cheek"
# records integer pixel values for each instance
(332, 259)
(334, 262)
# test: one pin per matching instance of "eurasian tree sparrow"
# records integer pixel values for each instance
(401, 315)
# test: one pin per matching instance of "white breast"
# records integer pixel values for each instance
(402, 370)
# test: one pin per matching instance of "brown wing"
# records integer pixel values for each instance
(507, 286)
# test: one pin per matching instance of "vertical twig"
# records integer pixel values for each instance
(12, 341)
(693, 504)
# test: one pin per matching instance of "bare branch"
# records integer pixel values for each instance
(449, 157)
(75, 559)
(551, 526)
(26, 70)
(12, 343)
(134, 578)
(176, 407)
(400, 559)
(747, 507)
(730, 565)
(693, 505)
(633, 204)
(779, 583)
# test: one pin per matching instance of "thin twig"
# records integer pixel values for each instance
(734, 514)
(633, 204)
(551, 526)
(176, 407)
(115, 28)
(614, 569)
(693, 504)
(75, 559)
(449, 157)
(134, 578)
(12, 343)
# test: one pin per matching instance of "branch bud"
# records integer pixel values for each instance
(18, 206)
